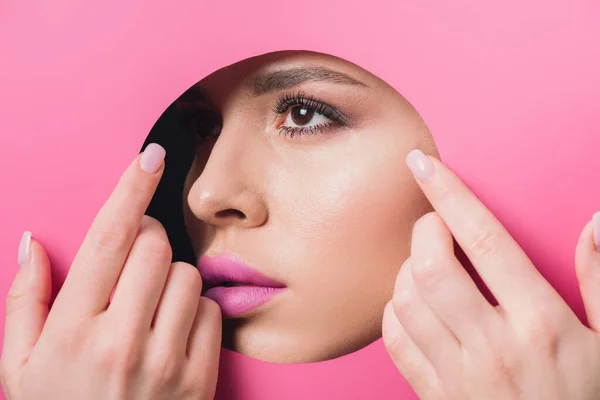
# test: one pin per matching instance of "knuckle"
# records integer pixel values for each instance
(442, 194)
(542, 335)
(112, 239)
(429, 272)
(393, 339)
(153, 239)
(403, 305)
(141, 188)
(165, 368)
(482, 241)
(494, 364)
(70, 340)
(198, 388)
(151, 223)
(192, 390)
(120, 355)
(488, 340)
(156, 245)
(73, 343)
(502, 371)
(490, 351)
(134, 188)
(16, 299)
(394, 345)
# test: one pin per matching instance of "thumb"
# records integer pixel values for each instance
(26, 304)
(587, 264)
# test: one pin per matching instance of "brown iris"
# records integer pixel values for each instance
(301, 115)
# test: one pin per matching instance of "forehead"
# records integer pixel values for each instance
(282, 60)
(281, 70)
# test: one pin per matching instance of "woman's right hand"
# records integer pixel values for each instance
(157, 338)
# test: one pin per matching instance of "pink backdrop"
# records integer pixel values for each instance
(509, 89)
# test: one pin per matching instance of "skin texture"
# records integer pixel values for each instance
(450, 343)
(328, 214)
(152, 338)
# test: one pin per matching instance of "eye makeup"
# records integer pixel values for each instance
(294, 110)
(302, 109)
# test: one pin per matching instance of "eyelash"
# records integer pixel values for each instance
(189, 113)
(290, 100)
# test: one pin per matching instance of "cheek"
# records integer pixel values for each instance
(361, 209)
(352, 219)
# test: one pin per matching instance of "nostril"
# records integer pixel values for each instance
(230, 213)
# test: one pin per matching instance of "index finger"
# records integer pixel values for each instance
(500, 261)
(100, 259)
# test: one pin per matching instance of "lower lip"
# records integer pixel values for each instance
(238, 300)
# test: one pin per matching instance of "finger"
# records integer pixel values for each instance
(142, 281)
(408, 358)
(587, 264)
(204, 345)
(177, 307)
(99, 261)
(429, 333)
(26, 304)
(499, 260)
(445, 285)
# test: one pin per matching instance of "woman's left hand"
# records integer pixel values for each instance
(449, 342)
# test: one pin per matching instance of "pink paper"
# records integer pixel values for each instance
(510, 91)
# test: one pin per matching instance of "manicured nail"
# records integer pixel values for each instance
(153, 157)
(596, 230)
(24, 248)
(419, 164)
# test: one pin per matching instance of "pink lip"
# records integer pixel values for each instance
(255, 289)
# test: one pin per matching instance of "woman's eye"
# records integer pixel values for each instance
(302, 116)
(205, 125)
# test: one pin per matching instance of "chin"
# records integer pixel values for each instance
(268, 345)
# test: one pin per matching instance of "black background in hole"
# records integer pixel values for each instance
(167, 204)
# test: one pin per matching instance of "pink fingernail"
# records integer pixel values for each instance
(419, 164)
(153, 157)
(24, 248)
(596, 230)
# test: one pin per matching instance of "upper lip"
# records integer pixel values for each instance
(225, 268)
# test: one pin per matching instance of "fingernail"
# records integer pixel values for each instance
(596, 230)
(419, 164)
(24, 248)
(153, 157)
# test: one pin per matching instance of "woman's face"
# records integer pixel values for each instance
(299, 175)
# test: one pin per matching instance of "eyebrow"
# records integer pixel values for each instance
(278, 80)
(287, 78)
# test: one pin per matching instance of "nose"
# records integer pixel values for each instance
(227, 192)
